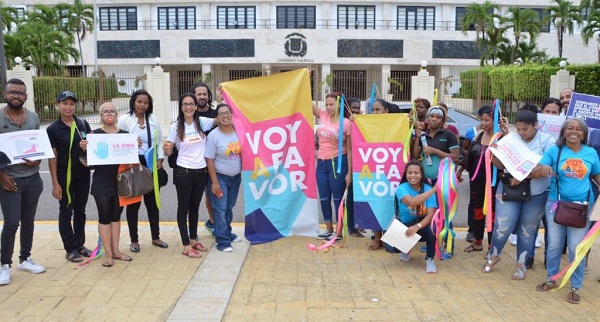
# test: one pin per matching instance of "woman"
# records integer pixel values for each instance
(224, 164)
(416, 205)
(66, 147)
(477, 170)
(521, 216)
(329, 182)
(190, 176)
(141, 122)
(571, 164)
(104, 190)
(551, 106)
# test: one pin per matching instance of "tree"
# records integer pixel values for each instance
(522, 21)
(495, 38)
(564, 16)
(481, 16)
(592, 28)
(77, 17)
(9, 17)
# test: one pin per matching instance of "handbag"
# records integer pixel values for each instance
(570, 214)
(520, 192)
(136, 181)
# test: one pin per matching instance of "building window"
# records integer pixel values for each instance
(289, 17)
(543, 14)
(356, 17)
(236, 17)
(20, 14)
(171, 18)
(416, 18)
(118, 18)
(460, 14)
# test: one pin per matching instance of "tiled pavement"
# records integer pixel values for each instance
(282, 281)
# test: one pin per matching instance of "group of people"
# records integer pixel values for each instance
(200, 160)
(567, 171)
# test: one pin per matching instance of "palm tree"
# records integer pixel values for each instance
(80, 18)
(564, 16)
(591, 28)
(482, 17)
(8, 16)
(495, 37)
(522, 21)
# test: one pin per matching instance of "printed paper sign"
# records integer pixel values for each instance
(396, 236)
(550, 124)
(516, 156)
(120, 148)
(587, 107)
(30, 145)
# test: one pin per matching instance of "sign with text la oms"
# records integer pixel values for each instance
(119, 148)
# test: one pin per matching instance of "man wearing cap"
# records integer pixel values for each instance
(21, 186)
(70, 178)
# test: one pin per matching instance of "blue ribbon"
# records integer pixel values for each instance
(496, 130)
(372, 100)
(341, 135)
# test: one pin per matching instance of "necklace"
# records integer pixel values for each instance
(13, 121)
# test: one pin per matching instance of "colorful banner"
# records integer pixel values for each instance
(377, 166)
(273, 118)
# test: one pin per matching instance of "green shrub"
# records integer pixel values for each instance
(501, 79)
(468, 80)
(46, 88)
(531, 83)
(586, 78)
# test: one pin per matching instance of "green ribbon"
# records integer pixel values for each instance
(155, 171)
(73, 127)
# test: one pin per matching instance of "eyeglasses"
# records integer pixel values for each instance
(224, 113)
(188, 105)
(109, 112)
(16, 93)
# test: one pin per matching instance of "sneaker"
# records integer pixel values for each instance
(337, 238)
(513, 239)
(5, 274)
(538, 242)
(210, 227)
(325, 235)
(470, 237)
(430, 266)
(424, 249)
(404, 257)
(30, 266)
(228, 249)
(446, 256)
(236, 238)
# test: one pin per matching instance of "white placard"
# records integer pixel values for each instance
(30, 145)
(595, 213)
(119, 148)
(396, 236)
(550, 124)
(516, 156)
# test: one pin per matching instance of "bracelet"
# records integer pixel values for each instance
(419, 225)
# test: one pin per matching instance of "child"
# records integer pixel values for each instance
(416, 205)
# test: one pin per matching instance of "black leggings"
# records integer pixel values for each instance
(108, 209)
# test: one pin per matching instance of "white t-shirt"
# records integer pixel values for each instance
(191, 148)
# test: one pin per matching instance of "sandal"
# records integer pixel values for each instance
(198, 246)
(375, 245)
(519, 274)
(191, 253)
(107, 262)
(546, 286)
(489, 264)
(573, 296)
(474, 248)
(125, 258)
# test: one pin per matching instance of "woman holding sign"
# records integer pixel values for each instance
(329, 182)
(141, 122)
(104, 190)
(190, 176)
(522, 216)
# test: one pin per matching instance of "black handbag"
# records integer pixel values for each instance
(521, 192)
(570, 214)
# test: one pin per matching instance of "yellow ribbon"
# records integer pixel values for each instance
(73, 127)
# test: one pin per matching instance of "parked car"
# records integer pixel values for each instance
(461, 120)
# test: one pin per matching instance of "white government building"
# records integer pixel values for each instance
(359, 42)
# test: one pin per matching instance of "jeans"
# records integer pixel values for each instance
(190, 184)
(525, 217)
(19, 206)
(73, 236)
(331, 183)
(426, 235)
(223, 207)
(555, 241)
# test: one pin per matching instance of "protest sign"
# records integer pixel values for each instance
(31, 145)
(515, 156)
(118, 148)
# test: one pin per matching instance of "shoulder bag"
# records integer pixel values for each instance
(570, 214)
(520, 192)
(136, 181)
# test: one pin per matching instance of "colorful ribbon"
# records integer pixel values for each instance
(489, 198)
(340, 102)
(342, 214)
(497, 115)
(98, 251)
(372, 100)
(580, 253)
(155, 170)
(69, 163)
(435, 96)
(447, 196)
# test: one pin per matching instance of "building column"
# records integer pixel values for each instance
(21, 73)
(159, 87)
(423, 85)
(563, 79)
(385, 85)
(325, 78)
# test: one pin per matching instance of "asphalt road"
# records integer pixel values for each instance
(48, 206)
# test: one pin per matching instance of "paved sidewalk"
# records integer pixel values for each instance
(282, 281)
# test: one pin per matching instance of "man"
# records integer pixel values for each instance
(565, 99)
(21, 186)
(72, 195)
(204, 107)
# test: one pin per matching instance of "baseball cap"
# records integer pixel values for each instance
(4, 160)
(66, 94)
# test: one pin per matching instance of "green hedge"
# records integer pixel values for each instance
(46, 88)
(501, 80)
(531, 83)
(468, 81)
(586, 78)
